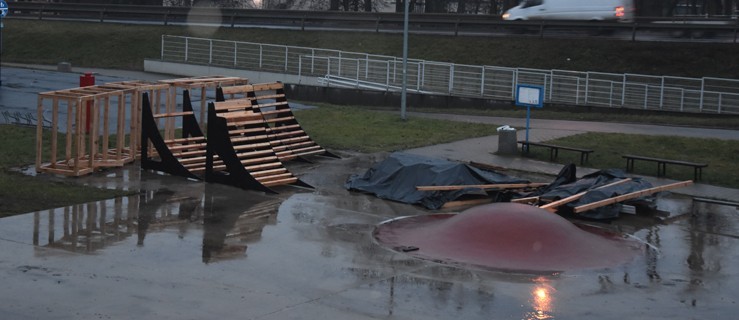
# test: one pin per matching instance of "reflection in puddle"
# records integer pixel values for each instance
(542, 301)
(335, 244)
(226, 234)
(87, 228)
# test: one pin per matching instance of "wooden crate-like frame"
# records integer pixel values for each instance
(86, 151)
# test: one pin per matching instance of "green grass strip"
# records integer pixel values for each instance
(720, 155)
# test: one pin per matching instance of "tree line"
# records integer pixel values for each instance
(647, 8)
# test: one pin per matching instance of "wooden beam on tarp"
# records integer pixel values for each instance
(482, 186)
(628, 196)
(552, 206)
(461, 203)
(527, 200)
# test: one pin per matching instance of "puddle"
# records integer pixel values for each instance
(313, 253)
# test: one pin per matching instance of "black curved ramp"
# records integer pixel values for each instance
(150, 132)
(219, 143)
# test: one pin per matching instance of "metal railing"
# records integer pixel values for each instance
(341, 68)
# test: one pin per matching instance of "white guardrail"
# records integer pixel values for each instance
(360, 70)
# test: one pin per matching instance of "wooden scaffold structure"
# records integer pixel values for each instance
(193, 85)
(83, 115)
(99, 126)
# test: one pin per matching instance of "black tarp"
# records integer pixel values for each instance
(397, 177)
(564, 186)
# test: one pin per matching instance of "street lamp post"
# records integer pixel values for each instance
(405, 62)
(3, 13)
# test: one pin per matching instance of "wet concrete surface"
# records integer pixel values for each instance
(191, 250)
(182, 249)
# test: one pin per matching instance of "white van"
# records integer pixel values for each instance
(593, 10)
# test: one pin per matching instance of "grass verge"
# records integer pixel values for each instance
(352, 128)
(609, 147)
(20, 193)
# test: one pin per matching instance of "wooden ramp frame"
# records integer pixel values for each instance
(200, 85)
(82, 116)
(158, 98)
(239, 139)
(284, 132)
(183, 156)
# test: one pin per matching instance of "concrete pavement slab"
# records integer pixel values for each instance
(183, 249)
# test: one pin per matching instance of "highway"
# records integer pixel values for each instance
(697, 29)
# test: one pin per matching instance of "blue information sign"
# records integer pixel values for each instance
(3, 8)
(529, 96)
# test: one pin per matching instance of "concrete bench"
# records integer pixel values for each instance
(662, 165)
(554, 150)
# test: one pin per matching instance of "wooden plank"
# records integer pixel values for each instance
(271, 104)
(288, 133)
(482, 186)
(94, 126)
(552, 206)
(280, 182)
(307, 150)
(241, 139)
(287, 128)
(54, 128)
(241, 148)
(240, 115)
(67, 172)
(193, 160)
(244, 123)
(185, 140)
(79, 136)
(291, 141)
(264, 166)
(267, 86)
(237, 89)
(121, 124)
(238, 132)
(251, 154)
(268, 96)
(274, 112)
(198, 146)
(273, 120)
(173, 114)
(40, 131)
(192, 153)
(527, 200)
(286, 148)
(261, 160)
(106, 127)
(244, 103)
(71, 107)
(266, 178)
(269, 172)
(471, 202)
(637, 194)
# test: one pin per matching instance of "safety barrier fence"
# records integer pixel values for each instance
(361, 70)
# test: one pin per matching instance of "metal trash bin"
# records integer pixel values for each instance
(507, 140)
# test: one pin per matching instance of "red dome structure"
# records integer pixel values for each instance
(506, 236)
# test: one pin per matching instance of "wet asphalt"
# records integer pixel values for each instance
(183, 249)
